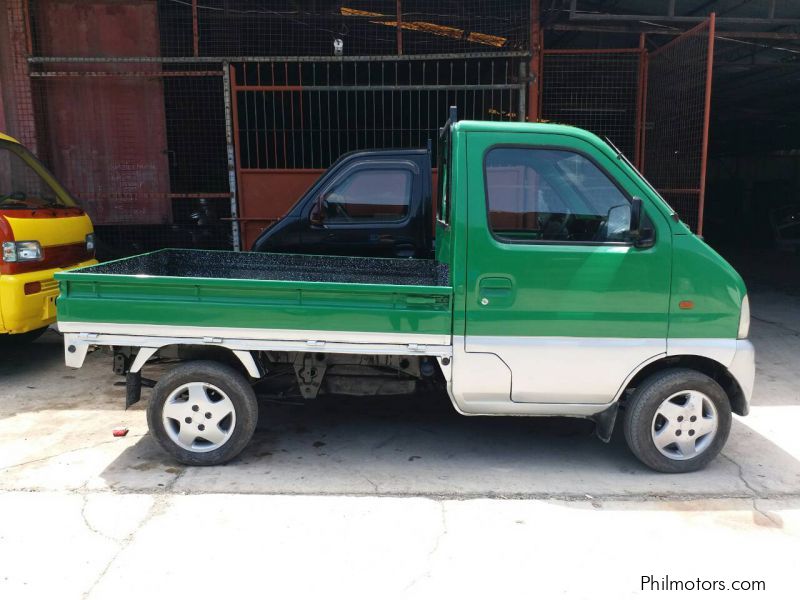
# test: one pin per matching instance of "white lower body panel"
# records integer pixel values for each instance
(254, 334)
(571, 376)
(78, 337)
(544, 376)
(567, 369)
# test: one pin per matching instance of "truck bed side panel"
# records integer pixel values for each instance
(90, 296)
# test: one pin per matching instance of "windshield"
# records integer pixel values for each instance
(24, 181)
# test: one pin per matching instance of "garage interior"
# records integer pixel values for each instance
(197, 123)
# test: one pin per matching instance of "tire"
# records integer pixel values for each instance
(21, 339)
(203, 398)
(677, 420)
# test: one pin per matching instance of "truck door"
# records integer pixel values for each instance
(368, 209)
(554, 285)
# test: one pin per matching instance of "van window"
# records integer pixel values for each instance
(535, 194)
(380, 195)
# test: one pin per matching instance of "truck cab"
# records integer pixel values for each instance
(368, 203)
(42, 231)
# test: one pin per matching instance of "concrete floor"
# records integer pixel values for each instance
(386, 499)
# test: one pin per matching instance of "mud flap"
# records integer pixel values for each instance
(133, 388)
(604, 422)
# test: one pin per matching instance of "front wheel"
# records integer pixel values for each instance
(203, 413)
(677, 420)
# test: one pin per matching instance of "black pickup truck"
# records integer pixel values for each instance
(368, 203)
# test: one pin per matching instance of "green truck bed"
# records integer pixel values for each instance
(251, 291)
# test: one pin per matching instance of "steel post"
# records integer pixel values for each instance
(706, 119)
(229, 74)
(534, 69)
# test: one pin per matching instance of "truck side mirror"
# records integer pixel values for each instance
(636, 217)
(317, 216)
(642, 237)
(617, 226)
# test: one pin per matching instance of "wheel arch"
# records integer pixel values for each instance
(708, 366)
(215, 352)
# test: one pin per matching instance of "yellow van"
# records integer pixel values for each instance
(42, 231)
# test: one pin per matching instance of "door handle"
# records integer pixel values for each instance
(495, 290)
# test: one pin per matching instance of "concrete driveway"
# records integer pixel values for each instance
(380, 498)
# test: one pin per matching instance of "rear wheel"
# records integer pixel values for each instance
(677, 420)
(203, 413)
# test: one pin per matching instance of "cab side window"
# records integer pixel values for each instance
(369, 195)
(536, 194)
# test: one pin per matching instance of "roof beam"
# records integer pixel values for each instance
(754, 35)
(575, 15)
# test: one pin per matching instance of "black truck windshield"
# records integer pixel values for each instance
(22, 181)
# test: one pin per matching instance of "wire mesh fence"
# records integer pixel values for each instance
(301, 115)
(17, 114)
(143, 150)
(143, 144)
(144, 127)
(133, 114)
(596, 90)
(293, 118)
(220, 28)
(675, 133)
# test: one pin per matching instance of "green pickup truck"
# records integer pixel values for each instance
(562, 285)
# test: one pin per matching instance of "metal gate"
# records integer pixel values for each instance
(293, 118)
(142, 145)
(598, 90)
(676, 119)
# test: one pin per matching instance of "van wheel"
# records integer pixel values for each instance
(203, 413)
(677, 421)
